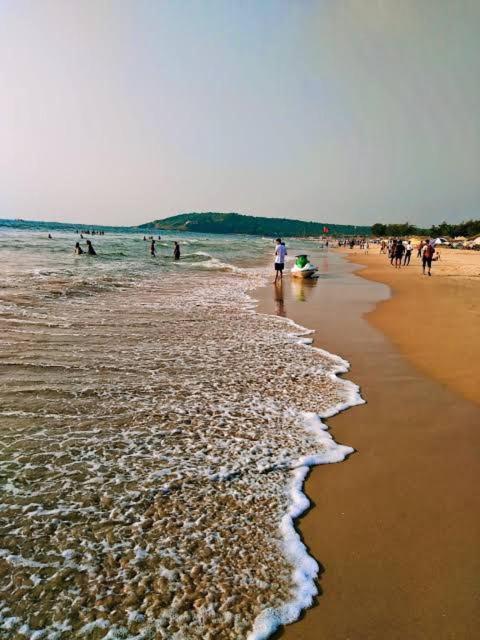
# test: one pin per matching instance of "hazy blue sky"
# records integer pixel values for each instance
(347, 111)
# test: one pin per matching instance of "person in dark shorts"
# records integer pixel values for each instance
(393, 251)
(90, 250)
(280, 253)
(152, 249)
(176, 251)
(408, 253)
(427, 256)
(399, 251)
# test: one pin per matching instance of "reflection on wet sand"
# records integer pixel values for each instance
(302, 288)
(279, 300)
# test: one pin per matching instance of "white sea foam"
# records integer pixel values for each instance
(153, 482)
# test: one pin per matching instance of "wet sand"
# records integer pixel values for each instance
(434, 321)
(396, 527)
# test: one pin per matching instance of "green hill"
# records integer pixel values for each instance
(214, 222)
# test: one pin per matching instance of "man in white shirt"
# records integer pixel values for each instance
(408, 253)
(280, 253)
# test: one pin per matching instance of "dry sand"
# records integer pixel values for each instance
(396, 527)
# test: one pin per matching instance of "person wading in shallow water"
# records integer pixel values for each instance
(78, 249)
(90, 250)
(176, 251)
(280, 253)
(152, 248)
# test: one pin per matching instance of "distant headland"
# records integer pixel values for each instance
(216, 222)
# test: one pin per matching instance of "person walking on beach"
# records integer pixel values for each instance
(78, 249)
(280, 253)
(427, 256)
(399, 251)
(408, 253)
(152, 249)
(393, 250)
(90, 250)
(176, 251)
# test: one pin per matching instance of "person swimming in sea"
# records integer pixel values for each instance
(176, 251)
(90, 250)
(78, 249)
(152, 248)
(50, 236)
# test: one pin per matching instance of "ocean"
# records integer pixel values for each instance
(156, 432)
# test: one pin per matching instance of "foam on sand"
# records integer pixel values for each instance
(153, 483)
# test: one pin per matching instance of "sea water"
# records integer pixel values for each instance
(155, 435)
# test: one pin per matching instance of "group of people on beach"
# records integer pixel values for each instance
(400, 252)
(363, 243)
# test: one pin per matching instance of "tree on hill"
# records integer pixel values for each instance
(467, 229)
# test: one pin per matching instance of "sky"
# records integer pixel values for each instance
(341, 111)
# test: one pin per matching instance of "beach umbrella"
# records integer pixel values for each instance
(476, 241)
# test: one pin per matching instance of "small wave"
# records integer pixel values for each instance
(117, 392)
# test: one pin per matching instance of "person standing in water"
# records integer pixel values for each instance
(176, 251)
(90, 249)
(152, 249)
(78, 249)
(280, 253)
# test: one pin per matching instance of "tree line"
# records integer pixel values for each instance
(467, 229)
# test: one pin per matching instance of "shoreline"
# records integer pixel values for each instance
(396, 535)
(445, 343)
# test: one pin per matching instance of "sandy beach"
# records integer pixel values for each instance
(433, 321)
(396, 526)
